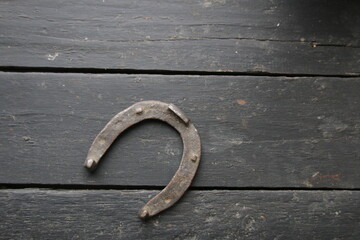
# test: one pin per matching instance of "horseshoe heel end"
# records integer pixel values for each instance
(144, 214)
(90, 164)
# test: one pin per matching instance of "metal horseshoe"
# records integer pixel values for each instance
(170, 114)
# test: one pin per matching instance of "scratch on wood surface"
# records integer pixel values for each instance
(52, 57)
(317, 178)
(241, 101)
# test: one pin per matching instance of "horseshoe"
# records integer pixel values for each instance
(170, 114)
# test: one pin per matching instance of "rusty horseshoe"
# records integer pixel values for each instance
(170, 114)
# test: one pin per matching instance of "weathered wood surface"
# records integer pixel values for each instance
(202, 35)
(255, 131)
(48, 214)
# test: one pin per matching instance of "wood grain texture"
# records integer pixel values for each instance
(202, 35)
(255, 131)
(100, 214)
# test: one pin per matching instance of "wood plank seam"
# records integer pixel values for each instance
(26, 69)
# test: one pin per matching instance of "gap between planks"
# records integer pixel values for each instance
(22, 69)
(123, 187)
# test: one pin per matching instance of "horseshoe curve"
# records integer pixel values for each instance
(170, 114)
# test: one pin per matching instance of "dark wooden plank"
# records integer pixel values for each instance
(47, 214)
(333, 23)
(255, 131)
(202, 35)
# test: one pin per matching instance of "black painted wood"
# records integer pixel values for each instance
(256, 131)
(286, 37)
(48, 214)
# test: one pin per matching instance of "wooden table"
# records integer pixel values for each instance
(272, 86)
